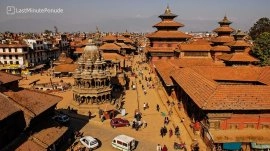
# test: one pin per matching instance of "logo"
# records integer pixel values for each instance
(10, 10)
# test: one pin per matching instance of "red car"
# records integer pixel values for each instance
(119, 122)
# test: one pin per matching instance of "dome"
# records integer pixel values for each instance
(90, 52)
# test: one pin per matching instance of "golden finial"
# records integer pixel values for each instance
(167, 11)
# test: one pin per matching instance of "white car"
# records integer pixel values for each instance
(89, 142)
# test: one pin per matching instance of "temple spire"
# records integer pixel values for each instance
(167, 11)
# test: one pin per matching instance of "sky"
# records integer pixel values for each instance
(130, 15)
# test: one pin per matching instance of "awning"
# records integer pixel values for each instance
(232, 146)
(260, 146)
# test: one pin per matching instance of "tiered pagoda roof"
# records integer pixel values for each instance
(167, 28)
(239, 50)
(224, 32)
(168, 34)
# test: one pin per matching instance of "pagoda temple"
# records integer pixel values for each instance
(239, 54)
(223, 36)
(92, 78)
(164, 41)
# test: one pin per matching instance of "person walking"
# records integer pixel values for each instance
(170, 132)
(164, 148)
(161, 132)
(159, 147)
(158, 108)
(144, 106)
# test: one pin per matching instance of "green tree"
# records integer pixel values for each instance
(262, 25)
(47, 31)
(261, 48)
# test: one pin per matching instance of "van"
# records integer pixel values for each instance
(124, 143)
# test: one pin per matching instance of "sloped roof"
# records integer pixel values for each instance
(238, 56)
(109, 38)
(123, 45)
(7, 107)
(112, 56)
(65, 68)
(223, 39)
(79, 50)
(201, 41)
(63, 59)
(32, 102)
(13, 45)
(194, 47)
(201, 85)
(168, 34)
(223, 29)
(188, 62)
(30, 145)
(7, 77)
(221, 48)
(168, 23)
(46, 137)
(110, 46)
(196, 86)
(120, 37)
(160, 49)
(238, 43)
(264, 76)
(128, 40)
(246, 73)
(165, 69)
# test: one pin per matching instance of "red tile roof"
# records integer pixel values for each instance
(221, 48)
(7, 107)
(123, 45)
(160, 49)
(168, 23)
(30, 145)
(63, 59)
(224, 29)
(79, 50)
(264, 76)
(201, 41)
(13, 45)
(65, 68)
(238, 56)
(188, 62)
(201, 85)
(168, 34)
(128, 40)
(6, 77)
(109, 38)
(43, 138)
(222, 39)
(238, 43)
(32, 102)
(49, 135)
(112, 56)
(110, 46)
(194, 47)
(165, 70)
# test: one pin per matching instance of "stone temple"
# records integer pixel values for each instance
(92, 78)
